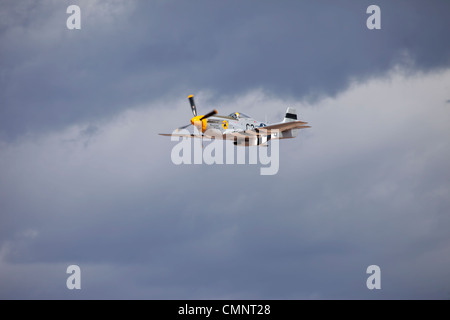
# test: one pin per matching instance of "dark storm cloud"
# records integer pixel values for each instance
(366, 185)
(127, 55)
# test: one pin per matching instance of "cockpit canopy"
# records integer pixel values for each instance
(238, 115)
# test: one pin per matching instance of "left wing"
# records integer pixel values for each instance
(187, 135)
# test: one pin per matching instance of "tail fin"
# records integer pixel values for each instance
(291, 115)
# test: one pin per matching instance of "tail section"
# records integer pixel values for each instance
(291, 115)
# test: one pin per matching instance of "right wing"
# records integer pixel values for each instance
(283, 126)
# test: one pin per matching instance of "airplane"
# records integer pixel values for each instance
(241, 128)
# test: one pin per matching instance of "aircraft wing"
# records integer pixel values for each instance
(261, 131)
(186, 135)
(283, 126)
(191, 135)
(227, 136)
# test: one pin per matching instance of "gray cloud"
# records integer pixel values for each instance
(366, 185)
(145, 51)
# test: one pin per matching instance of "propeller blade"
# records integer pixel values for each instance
(184, 127)
(193, 107)
(209, 114)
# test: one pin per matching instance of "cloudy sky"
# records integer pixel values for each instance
(85, 178)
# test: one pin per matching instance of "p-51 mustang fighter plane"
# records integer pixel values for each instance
(242, 129)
